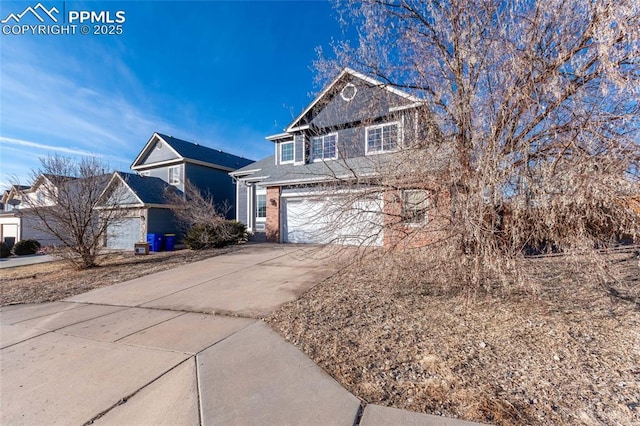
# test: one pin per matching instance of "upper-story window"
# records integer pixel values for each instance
(286, 152)
(382, 138)
(415, 206)
(174, 175)
(324, 147)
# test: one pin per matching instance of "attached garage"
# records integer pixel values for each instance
(125, 233)
(9, 231)
(332, 219)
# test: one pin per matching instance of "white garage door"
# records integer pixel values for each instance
(335, 220)
(124, 234)
(9, 232)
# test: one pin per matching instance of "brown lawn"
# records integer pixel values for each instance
(565, 351)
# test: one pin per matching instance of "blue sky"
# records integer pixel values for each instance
(223, 74)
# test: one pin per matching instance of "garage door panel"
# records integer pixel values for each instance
(334, 220)
(124, 234)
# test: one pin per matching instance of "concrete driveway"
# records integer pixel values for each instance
(183, 346)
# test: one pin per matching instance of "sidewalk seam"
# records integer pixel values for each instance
(126, 398)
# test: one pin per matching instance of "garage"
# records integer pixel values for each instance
(332, 220)
(123, 234)
(9, 233)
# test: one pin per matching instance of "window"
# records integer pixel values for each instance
(286, 152)
(174, 175)
(415, 206)
(324, 147)
(382, 138)
(261, 210)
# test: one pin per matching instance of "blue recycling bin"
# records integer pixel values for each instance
(155, 241)
(169, 242)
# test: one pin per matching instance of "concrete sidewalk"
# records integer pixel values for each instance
(13, 261)
(184, 346)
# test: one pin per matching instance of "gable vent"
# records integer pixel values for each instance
(348, 92)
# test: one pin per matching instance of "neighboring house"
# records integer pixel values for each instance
(355, 128)
(16, 222)
(145, 209)
(166, 162)
(10, 222)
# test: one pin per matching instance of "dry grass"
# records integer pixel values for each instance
(562, 351)
(57, 280)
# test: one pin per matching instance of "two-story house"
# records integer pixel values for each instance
(16, 221)
(167, 163)
(341, 145)
(10, 220)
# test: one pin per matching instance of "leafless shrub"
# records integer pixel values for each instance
(197, 208)
(526, 139)
(62, 204)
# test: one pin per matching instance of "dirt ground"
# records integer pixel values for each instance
(565, 351)
(46, 282)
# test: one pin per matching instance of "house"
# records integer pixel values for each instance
(143, 206)
(166, 162)
(10, 222)
(16, 221)
(323, 184)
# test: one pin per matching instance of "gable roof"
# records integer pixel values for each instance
(411, 99)
(192, 152)
(146, 189)
(13, 192)
(51, 178)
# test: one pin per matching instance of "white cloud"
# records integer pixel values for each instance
(80, 97)
(51, 148)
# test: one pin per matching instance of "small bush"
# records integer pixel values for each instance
(210, 235)
(25, 247)
(5, 251)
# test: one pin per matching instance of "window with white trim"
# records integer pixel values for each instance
(286, 152)
(261, 206)
(415, 206)
(382, 138)
(174, 175)
(324, 147)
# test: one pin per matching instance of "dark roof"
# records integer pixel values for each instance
(150, 190)
(193, 151)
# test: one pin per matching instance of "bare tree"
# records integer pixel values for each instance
(62, 203)
(195, 208)
(535, 107)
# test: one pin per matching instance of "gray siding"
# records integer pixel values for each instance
(121, 198)
(217, 182)
(34, 229)
(370, 102)
(162, 221)
(241, 203)
(299, 148)
(157, 155)
(351, 142)
(163, 173)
